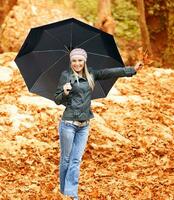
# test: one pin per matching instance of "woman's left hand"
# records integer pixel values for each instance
(138, 65)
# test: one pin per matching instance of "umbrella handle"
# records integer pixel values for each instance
(71, 85)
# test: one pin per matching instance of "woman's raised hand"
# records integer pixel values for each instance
(139, 65)
(67, 87)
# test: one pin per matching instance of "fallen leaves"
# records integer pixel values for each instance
(130, 151)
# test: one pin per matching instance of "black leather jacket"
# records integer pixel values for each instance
(78, 102)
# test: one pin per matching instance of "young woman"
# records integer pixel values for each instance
(74, 91)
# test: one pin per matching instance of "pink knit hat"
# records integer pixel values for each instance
(78, 53)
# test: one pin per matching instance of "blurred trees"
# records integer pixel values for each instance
(105, 21)
(126, 22)
(143, 26)
(160, 22)
(87, 9)
(157, 23)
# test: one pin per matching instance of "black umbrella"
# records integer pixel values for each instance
(45, 54)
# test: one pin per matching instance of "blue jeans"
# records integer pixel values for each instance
(73, 140)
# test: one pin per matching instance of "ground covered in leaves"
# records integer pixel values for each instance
(130, 151)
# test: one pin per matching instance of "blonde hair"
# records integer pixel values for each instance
(86, 75)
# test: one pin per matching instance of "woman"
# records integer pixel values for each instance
(74, 91)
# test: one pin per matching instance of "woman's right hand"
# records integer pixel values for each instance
(67, 87)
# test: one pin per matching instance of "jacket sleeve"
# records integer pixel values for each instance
(59, 96)
(113, 73)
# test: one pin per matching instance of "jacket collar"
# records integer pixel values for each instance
(72, 76)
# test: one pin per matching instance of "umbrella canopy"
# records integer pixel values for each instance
(45, 54)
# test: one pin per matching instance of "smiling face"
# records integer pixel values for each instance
(77, 64)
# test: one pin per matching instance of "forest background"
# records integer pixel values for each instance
(130, 151)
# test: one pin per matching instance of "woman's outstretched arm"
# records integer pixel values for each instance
(116, 72)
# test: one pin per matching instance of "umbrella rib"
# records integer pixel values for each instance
(71, 37)
(88, 40)
(101, 88)
(49, 51)
(48, 69)
(97, 54)
(55, 38)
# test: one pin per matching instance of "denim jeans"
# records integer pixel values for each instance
(73, 141)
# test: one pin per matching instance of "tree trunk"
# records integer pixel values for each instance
(168, 56)
(160, 22)
(143, 27)
(105, 21)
